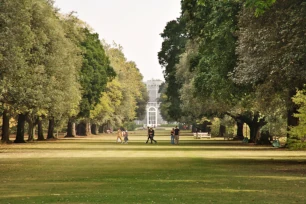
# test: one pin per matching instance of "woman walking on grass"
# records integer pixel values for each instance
(172, 136)
(119, 136)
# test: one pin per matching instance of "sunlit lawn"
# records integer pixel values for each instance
(97, 170)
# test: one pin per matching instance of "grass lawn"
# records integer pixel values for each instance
(97, 170)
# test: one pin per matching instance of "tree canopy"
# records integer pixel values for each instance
(241, 58)
(54, 67)
(95, 72)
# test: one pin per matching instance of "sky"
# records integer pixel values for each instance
(134, 24)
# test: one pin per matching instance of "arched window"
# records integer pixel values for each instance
(152, 116)
(152, 109)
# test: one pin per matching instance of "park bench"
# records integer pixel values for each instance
(200, 135)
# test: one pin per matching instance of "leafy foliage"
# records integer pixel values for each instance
(271, 50)
(95, 73)
(174, 39)
(300, 130)
(133, 89)
(211, 27)
(39, 63)
(261, 6)
(164, 103)
(142, 102)
(110, 102)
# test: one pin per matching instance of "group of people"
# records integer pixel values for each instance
(174, 135)
(124, 134)
(151, 135)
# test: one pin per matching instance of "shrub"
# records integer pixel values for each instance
(296, 144)
(130, 126)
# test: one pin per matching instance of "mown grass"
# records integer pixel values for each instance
(97, 170)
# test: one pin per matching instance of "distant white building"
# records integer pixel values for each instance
(153, 117)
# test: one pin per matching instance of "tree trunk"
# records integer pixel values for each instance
(94, 129)
(51, 129)
(239, 123)
(31, 126)
(265, 138)
(70, 128)
(81, 129)
(255, 125)
(254, 131)
(20, 129)
(5, 127)
(239, 135)
(291, 120)
(222, 131)
(30, 131)
(73, 129)
(101, 128)
(40, 133)
(88, 129)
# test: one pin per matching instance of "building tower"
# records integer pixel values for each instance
(153, 118)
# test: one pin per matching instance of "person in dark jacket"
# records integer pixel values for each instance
(151, 135)
(126, 137)
(176, 135)
(148, 135)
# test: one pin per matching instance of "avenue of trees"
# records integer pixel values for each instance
(239, 59)
(55, 72)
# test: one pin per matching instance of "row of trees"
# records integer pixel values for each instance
(244, 59)
(54, 68)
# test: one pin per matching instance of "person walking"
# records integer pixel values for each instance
(148, 135)
(126, 137)
(119, 136)
(176, 135)
(151, 136)
(172, 136)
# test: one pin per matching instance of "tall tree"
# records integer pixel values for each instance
(192, 106)
(105, 113)
(212, 25)
(74, 31)
(44, 62)
(271, 51)
(130, 80)
(15, 39)
(95, 72)
(94, 75)
(174, 39)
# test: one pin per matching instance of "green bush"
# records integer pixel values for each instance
(299, 99)
(130, 126)
(296, 144)
(215, 127)
(226, 121)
